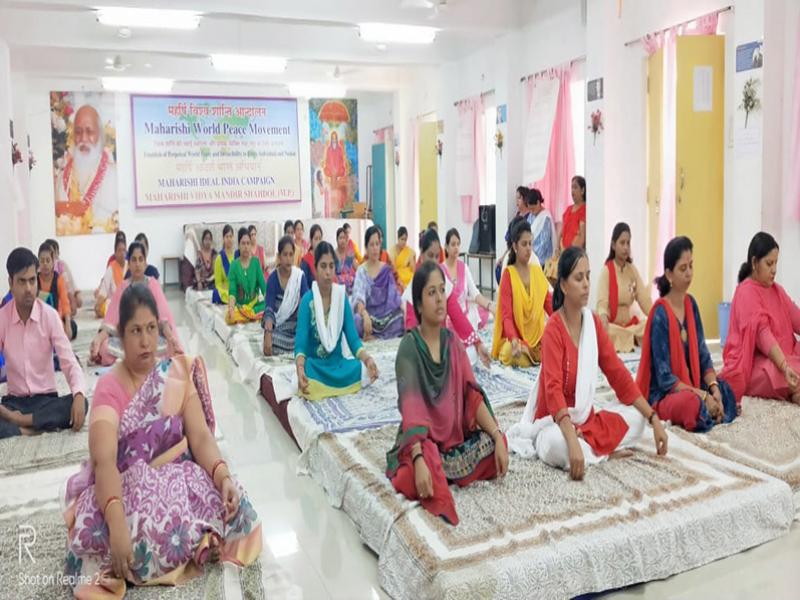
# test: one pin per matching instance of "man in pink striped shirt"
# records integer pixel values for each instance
(29, 332)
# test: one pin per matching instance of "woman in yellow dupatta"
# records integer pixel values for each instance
(403, 258)
(522, 302)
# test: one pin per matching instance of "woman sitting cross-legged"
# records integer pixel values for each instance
(325, 317)
(762, 353)
(222, 266)
(113, 277)
(560, 424)
(523, 300)
(246, 285)
(307, 262)
(457, 319)
(676, 372)
(448, 432)
(285, 287)
(346, 262)
(619, 286)
(53, 289)
(403, 258)
(376, 301)
(155, 501)
(206, 257)
(106, 346)
(475, 306)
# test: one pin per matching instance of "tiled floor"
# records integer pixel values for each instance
(321, 551)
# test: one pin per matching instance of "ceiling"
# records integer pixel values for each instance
(62, 38)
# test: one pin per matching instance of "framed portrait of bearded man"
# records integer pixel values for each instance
(84, 162)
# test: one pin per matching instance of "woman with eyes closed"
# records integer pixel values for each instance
(676, 372)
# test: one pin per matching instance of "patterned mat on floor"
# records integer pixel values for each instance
(40, 575)
(632, 519)
(376, 405)
(765, 437)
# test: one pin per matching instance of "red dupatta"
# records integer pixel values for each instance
(308, 258)
(613, 296)
(677, 358)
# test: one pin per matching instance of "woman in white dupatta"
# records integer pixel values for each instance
(285, 286)
(560, 424)
(543, 227)
(323, 319)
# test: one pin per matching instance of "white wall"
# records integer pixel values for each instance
(374, 112)
(554, 35)
(87, 254)
(8, 232)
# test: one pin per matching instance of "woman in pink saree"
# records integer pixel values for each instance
(762, 354)
(155, 502)
(106, 348)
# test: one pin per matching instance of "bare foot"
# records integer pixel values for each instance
(795, 397)
(12, 416)
(620, 454)
(28, 431)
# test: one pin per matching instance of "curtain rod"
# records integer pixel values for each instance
(716, 12)
(482, 95)
(427, 114)
(578, 59)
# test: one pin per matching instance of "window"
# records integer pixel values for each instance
(577, 91)
(489, 182)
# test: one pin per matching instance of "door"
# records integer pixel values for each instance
(379, 188)
(655, 89)
(699, 168)
(428, 200)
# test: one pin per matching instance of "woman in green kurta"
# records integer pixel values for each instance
(246, 285)
(324, 317)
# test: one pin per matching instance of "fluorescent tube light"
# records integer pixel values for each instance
(248, 62)
(317, 90)
(390, 33)
(157, 18)
(146, 85)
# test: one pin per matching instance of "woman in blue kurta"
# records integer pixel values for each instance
(676, 372)
(323, 319)
(286, 286)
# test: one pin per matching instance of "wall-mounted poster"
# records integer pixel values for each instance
(84, 142)
(208, 150)
(333, 128)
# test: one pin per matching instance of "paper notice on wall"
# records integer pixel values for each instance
(538, 129)
(465, 151)
(703, 95)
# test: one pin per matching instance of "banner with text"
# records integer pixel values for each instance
(196, 150)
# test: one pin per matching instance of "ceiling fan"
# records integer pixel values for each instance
(116, 64)
(436, 5)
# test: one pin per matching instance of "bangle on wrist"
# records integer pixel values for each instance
(715, 382)
(562, 417)
(651, 417)
(109, 502)
(416, 456)
(216, 466)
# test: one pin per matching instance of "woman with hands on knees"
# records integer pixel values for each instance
(560, 424)
(155, 502)
(323, 320)
(448, 432)
(676, 372)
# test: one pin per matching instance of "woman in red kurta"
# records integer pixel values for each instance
(573, 221)
(448, 432)
(762, 354)
(567, 432)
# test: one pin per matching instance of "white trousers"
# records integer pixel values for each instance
(552, 447)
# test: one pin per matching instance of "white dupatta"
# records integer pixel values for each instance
(522, 436)
(539, 223)
(330, 331)
(291, 297)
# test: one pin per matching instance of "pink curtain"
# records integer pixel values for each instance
(470, 157)
(706, 25)
(556, 181)
(793, 197)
